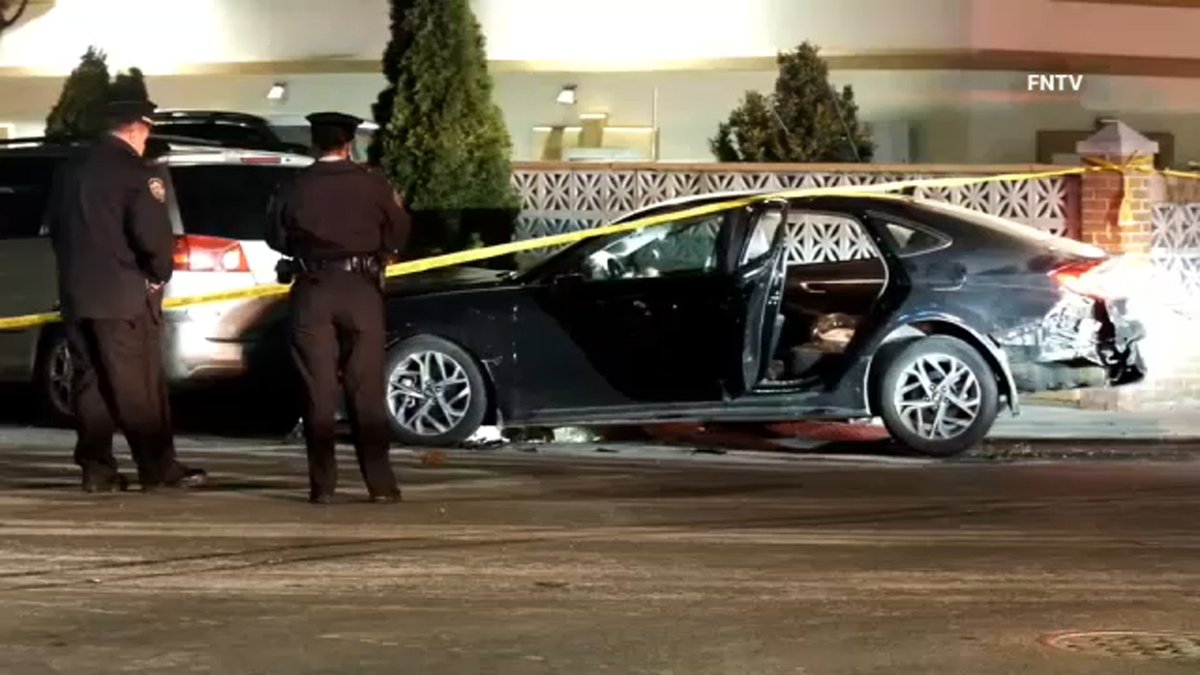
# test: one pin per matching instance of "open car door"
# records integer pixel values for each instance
(759, 282)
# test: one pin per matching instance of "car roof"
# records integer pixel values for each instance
(166, 149)
(181, 114)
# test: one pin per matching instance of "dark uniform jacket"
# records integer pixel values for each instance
(337, 210)
(111, 233)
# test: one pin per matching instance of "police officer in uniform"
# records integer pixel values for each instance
(338, 222)
(112, 237)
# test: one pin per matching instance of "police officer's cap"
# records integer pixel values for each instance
(342, 122)
(124, 111)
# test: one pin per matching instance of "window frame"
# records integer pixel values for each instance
(860, 220)
(884, 220)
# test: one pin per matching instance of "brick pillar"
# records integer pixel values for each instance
(1117, 213)
(1116, 204)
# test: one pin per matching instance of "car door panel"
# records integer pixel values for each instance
(849, 287)
(602, 343)
(642, 321)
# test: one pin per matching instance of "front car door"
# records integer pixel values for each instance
(635, 320)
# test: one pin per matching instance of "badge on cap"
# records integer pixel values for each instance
(158, 190)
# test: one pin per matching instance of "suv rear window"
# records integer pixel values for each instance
(232, 134)
(24, 194)
(230, 201)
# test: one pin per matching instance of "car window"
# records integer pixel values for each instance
(223, 200)
(817, 238)
(24, 194)
(687, 247)
(912, 241)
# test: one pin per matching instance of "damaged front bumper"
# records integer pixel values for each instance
(1082, 342)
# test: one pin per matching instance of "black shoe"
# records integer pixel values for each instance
(385, 497)
(107, 484)
(190, 478)
(320, 498)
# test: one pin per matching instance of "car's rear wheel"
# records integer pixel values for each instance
(938, 396)
(436, 392)
(54, 377)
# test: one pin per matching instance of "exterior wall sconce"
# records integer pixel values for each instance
(567, 95)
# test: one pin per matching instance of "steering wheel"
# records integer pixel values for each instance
(615, 268)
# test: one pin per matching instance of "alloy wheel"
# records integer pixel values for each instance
(938, 397)
(60, 375)
(429, 393)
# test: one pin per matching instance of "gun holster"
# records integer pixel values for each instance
(286, 270)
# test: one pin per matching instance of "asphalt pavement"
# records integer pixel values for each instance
(605, 558)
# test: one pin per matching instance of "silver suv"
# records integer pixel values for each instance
(218, 199)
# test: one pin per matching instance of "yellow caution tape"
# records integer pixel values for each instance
(489, 252)
(1181, 174)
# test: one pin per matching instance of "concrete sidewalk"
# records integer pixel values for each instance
(1048, 422)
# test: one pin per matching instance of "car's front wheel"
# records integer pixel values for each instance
(436, 392)
(938, 396)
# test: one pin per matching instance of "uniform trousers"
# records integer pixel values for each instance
(119, 382)
(338, 326)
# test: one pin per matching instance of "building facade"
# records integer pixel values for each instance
(940, 81)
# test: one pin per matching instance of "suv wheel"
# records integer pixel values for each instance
(938, 396)
(55, 373)
(436, 393)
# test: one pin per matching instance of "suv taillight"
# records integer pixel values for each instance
(197, 253)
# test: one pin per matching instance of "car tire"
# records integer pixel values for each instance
(52, 380)
(927, 411)
(449, 370)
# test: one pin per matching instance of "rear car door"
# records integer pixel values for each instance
(758, 292)
(28, 277)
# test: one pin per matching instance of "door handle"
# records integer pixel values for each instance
(812, 287)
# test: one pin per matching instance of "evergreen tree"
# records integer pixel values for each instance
(805, 120)
(79, 111)
(446, 147)
(393, 56)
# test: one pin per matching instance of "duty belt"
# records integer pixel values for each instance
(358, 263)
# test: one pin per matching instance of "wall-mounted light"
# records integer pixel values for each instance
(567, 95)
(278, 92)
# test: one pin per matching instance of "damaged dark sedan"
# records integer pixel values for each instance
(929, 316)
